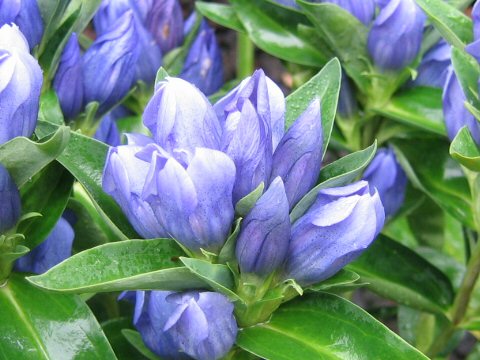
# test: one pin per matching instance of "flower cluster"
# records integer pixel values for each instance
(201, 161)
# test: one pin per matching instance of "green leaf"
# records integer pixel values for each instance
(345, 34)
(41, 325)
(274, 37)
(48, 194)
(467, 71)
(85, 158)
(324, 86)
(387, 267)
(345, 279)
(50, 110)
(86, 9)
(228, 250)
(24, 158)
(464, 149)
(124, 265)
(339, 173)
(221, 14)
(113, 331)
(419, 107)
(454, 26)
(324, 326)
(135, 339)
(245, 204)
(431, 170)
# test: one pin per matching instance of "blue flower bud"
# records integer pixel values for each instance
(191, 196)
(265, 96)
(180, 116)
(20, 84)
(203, 65)
(52, 251)
(476, 20)
(107, 131)
(25, 14)
(192, 324)
(454, 110)
(298, 157)
(10, 199)
(433, 69)
(247, 140)
(338, 227)
(396, 35)
(265, 232)
(108, 13)
(68, 82)
(109, 64)
(124, 179)
(363, 10)
(165, 22)
(387, 176)
(347, 103)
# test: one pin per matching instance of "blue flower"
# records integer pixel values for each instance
(298, 157)
(396, 35)
(433, 69)
(347, 104)
(265, 233)
(180, 116)
(68, 82)
(203, 65)
(193, 324)
(387, 176)
(337, 228)
(455, 113)
(25, 14)
(52, 251)
(20, 84)
(109, 64)
(107, 131)
(11, 207)
(363, 10)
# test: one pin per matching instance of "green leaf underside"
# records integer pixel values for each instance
(464, 149)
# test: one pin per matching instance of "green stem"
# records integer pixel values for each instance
(461, 302)
(245, 56)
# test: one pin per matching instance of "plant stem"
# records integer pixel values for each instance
(461, 302)
(245, 56)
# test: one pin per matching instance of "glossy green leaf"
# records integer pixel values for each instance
(123, 265)
(345, 279)
(86, 9)
(464, 149)
(431, 169)
(135, 339)
(50, 110)
(339, 173)
(245, 204)
(467, 71)
(24, 158)
(85, 158)
(41, 325)
(454, 26)
(324, 86)
(274, 37)
(113, 331)
(396, 272)
(221, 14)
(48, 194)
(324, 326)
(420, 107)
(345, 34)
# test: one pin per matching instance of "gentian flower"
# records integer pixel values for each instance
(10, 199)
(433, 69)
(52, 251)
(203, 65)
(192, 324)
(265, 232)
(363, 10)
(396, 35)
(20, 84)
(336, 229)
(387, 176)
(109, 64)
(298, 157)
(347, 104)
(68, 82)
(192, 195)
(26, 15)
(180, 116)
(455, 113)
(107, 131)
